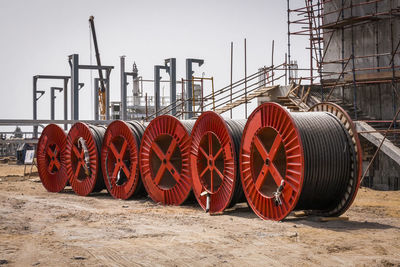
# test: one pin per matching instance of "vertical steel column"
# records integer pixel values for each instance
(35, 128)
(171, 69)
(52, 100)
(65, 102)
(320, 63)
(157, 79)
(182, 99)
(96, 98)
(245, 79)
(343, 64)
(310, 26)
(157, 89)
(288, 42)
(189, 96)
(137, 90)
(353, 64)
(286, 69)
(189, 74)
(202, 94)
(272, 61)
(230, 111)
(74, 86)
(147, 112)
(394, 90)
(123, 88)
(377, 36)
(108, 72)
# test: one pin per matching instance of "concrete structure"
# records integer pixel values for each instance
(365, 37)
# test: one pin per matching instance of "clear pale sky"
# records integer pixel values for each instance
(37, 36)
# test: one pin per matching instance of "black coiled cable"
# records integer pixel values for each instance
(188, 124)
(138, 129)
(98, 132)
(328, 160)
(236, 128)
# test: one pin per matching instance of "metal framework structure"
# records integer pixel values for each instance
(354, 48)
(225, 99)
(75, 67)
(35, 98)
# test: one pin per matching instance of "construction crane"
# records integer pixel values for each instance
(102, 89)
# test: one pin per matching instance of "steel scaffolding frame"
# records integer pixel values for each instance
(307, 20)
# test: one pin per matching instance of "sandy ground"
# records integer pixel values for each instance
(38, 228)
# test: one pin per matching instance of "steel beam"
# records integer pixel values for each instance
(96, 98)
(24, 122)
(108, 94)
(74, 59)
(189, 85)
(123, 88)
(51, 77)
(35, 129)
(124, 85)
(171, 69)
(92, 67)
(19, 141)
(157, 79)
(65, 89)
(52, 100)
(52, 104)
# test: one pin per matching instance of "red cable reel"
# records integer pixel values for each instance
(50, 158)
(292, 161)
(214, 158)
(164, 160)
(83, 158)
(120, 159)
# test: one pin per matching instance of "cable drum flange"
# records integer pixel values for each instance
(83, 158)
(164, 160)
(120, 159)
(270, 150)
(292, 161)
(50, 158)
(214, 158)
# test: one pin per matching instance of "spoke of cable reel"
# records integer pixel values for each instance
(53, 159)
(268, 158)
(119, 156)
(80, 155)
(165, 161)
